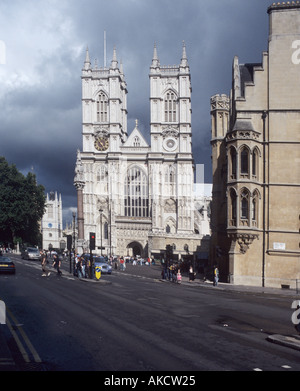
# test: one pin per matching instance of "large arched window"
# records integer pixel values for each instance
(170, 106)
(102, 104)
(136, 202)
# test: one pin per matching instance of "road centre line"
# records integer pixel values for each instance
(25, 338)
(18, 342)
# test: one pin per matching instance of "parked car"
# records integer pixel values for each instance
(30, 253)
(7, 265)
(104, 266)
(101, 262)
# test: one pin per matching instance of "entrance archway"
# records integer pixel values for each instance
(134, 249)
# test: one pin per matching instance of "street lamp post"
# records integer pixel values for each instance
(74, 215)
(101, 211)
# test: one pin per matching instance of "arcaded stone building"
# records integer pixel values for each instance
(255, 155)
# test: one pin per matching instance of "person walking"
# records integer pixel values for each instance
(216, 276)
(191, 274)
(44, 262)
(56, 264)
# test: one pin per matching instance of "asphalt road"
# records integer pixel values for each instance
(131, 323)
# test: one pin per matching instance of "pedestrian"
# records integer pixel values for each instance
(191, 274)
(79, 267)
(122, 263)
(88, 268)
(83, 268)
(44, 262)
(216, 276)
(56, 264)
(171, 268)
(174, 274)
(179, 277)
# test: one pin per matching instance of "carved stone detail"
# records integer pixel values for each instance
(244, 241)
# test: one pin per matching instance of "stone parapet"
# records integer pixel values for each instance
(284, 5)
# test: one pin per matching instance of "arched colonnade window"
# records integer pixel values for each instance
(243, 163)
(243, 207)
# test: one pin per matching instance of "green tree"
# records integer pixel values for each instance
(22, 205)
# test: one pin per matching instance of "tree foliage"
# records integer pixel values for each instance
(22, 205)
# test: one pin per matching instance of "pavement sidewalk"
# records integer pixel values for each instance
(154, 272)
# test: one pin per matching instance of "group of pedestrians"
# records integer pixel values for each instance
(171, 273)
(56, 263)
(5, 250)
(48, 259)
(82, 267)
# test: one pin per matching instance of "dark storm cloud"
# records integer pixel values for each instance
(40, 94)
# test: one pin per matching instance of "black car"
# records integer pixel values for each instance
(7, 265)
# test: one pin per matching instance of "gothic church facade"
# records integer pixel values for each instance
(137, 198)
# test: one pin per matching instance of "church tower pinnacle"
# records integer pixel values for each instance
(184, 61)
(155, 60)
(114, 62)
(87, 62)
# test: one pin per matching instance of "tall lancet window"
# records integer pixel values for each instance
(102, 108)
(232, 209)
(245, 196)
(170, 106)
(136, 201)
(245, 161)
(255, 156)
(232, 169)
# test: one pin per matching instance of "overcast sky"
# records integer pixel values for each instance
(42, 50)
